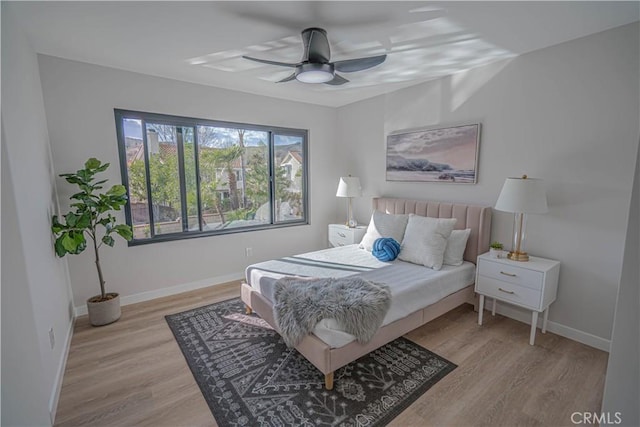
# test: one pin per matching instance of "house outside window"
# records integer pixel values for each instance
(189, 177)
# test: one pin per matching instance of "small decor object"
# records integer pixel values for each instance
(386, 249)
(495, 250)
(349, 186)
(92, 218)
(521, 196)
(434, 154)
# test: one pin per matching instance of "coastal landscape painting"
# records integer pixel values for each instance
(435, 154)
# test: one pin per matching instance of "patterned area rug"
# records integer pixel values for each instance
(250, 378)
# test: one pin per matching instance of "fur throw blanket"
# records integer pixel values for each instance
(359, 306)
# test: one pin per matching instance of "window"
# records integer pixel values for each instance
(190, 177)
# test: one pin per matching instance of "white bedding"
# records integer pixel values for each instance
(413, 287)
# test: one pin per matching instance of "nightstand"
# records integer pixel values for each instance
(532, 285)
(341, 235)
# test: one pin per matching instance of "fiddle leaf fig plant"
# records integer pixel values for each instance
(91, 216)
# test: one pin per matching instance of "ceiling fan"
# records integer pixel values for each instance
(315, 65)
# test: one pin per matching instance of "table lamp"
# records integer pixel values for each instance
(349, 186)
(521, 196)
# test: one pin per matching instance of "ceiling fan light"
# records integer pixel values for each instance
(314, 73)
(314, 76)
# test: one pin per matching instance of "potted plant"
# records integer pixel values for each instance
(92, 218)
(495, 250)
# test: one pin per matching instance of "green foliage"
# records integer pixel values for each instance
(209, 182)
(496, 245)
(241, 214)
(91, 213)
(137, 180)
(257, 181)
(216, 173)
(165, 185)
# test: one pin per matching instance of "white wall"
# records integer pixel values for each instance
(35, 287)
(622, 386)
(79, 101)
(567, 114)
(24, 402)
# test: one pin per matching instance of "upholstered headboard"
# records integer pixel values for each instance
(477, 218)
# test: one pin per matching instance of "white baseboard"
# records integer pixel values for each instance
(557, 328)
(503, 309)
(57, 384)
(170, 290)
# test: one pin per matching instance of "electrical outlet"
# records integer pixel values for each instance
(248, 252)
(52, 338)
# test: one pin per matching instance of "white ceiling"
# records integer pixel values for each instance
(202, 42)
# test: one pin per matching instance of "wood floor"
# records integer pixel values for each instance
(132, 372)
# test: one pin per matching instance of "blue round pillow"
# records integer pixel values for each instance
(386, 249)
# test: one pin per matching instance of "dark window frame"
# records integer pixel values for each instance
(180, 121)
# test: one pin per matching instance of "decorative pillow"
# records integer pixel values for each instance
(425, 240)
(384, 225)
(456, 244)
(386, 249)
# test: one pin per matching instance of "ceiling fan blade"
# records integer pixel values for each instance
(337, 81)
(316, 46)
(359, 64)
(266, 61)
(287, 79)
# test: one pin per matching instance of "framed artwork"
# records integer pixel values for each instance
(435, 154)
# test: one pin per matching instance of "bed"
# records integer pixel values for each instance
(330, 349)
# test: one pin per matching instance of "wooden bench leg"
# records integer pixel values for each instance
(248, 309)
(328, 381)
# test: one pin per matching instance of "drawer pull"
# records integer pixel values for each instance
(506, 292)
(341, 234)
(508, 274)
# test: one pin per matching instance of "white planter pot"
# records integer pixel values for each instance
(104, 312)
(495, 253)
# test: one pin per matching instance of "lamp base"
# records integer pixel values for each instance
(518, 256)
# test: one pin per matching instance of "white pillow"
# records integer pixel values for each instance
(456, 244)
(425, 240)
(384, 225)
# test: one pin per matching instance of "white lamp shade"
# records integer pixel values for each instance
(349, 186)
(525, 195)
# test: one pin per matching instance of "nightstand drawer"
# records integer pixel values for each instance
(512, 274)
(341, 235)
(509, 292)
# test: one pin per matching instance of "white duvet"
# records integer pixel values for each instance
(413, 287)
